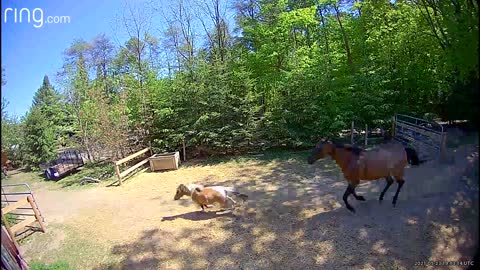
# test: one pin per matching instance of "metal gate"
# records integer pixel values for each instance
(10, 196)
(428, 138)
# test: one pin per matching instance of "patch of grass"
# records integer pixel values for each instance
(10, 219)
(66, 244)
(58, 265)
(34, 179)
(103, 171)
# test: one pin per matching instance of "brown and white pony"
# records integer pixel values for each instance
(206, 196)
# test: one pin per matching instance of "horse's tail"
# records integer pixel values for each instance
(232, 191)
(412, 156)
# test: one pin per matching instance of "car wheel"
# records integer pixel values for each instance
(48, 175)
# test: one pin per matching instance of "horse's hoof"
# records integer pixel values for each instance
(351, 209)
(380, 201)
(394, 202)
(360, 198)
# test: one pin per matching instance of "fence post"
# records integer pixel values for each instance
(37, 214)
(184, 152)
(444, 142)
(117, 172)
(351, 132)
(443, 147)
(366, 134)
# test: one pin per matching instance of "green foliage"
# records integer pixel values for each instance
(12, 138)
(295, 71)
(11, 130)
(52, 107)
(43, 127)
(99, 170)
(40, 141)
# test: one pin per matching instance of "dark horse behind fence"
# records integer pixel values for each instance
(6, 163)
(386, 161)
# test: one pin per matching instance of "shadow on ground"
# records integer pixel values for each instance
(198, 215)
(295, 219)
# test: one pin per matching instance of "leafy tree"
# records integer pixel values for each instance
(289, 73)
(44, 131)
(11, 129)
(40, 138)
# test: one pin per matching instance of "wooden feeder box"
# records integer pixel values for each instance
(167, 161)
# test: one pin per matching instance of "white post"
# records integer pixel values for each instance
(351, 132)
(184, 152)
(393, 127)
(366, 134)
(443, 146)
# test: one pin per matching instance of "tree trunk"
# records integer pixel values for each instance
(345, 38)
(325, 36)
(442, 42)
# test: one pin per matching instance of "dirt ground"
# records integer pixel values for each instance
(294, 219)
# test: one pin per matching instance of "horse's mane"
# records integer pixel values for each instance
(351, 148)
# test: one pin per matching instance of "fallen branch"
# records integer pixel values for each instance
(87, 179)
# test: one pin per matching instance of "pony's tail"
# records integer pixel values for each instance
(243, 196)
(412, 156)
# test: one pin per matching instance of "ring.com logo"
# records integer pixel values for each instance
(24, 15)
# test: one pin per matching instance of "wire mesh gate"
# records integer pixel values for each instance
(428, 138)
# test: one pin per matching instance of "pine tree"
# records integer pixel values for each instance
(44, 129)
(40, 142)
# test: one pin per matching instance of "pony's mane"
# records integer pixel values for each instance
(183, 189)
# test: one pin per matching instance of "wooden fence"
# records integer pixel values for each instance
(117, 164)
(366, 135)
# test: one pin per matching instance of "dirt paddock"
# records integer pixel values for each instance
(294, 219)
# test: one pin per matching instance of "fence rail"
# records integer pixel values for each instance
(117, 164)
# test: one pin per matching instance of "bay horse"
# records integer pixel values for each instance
(386, 161)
